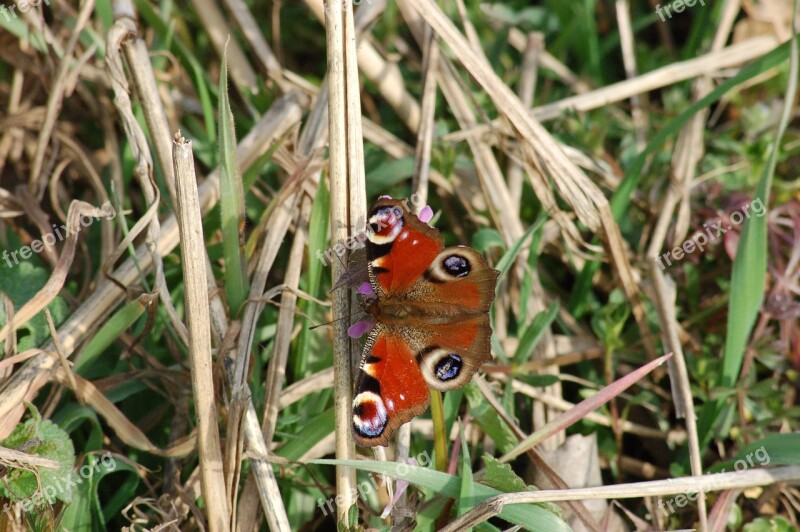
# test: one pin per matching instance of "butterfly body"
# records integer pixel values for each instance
(430, 306)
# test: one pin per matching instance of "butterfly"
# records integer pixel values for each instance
(429, 316)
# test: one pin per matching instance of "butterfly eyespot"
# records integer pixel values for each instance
(385, 223)
(369, 415)
(448, 367)
(457, 266)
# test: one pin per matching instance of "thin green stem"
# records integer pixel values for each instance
(439, 435)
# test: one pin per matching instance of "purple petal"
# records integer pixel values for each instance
(365, 289)
(425, 214)
(358, 329)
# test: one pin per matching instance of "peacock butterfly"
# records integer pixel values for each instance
(429, 319)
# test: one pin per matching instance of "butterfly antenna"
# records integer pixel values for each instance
(334, 321)
(346, 273)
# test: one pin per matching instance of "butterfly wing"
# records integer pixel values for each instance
(399, 247)
(390, 389)
(432, 322)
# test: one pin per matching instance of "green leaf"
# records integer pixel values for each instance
(533, 333)
(109, 332)
(17, 27)
(389, 174)
(426, 519)
(485, 239)
(772, 450)
(311, 433)
(352, 519)
(43, 438)
(467, 485)
(73, 416)
(509, 256)
(318, 237)
(608, 323)
(535, 18)
(769, 524)
(309, 340)
(452, 406)
(85, 511)
(530, 516)
(750, 264)
(494, 426)
(503, 478)
(500, 476)
(21, 283)
(231, 199)
(537, 381)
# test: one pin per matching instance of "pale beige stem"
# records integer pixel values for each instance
(198, 322)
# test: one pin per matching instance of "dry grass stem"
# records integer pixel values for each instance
(704, 483)
(454, 96)
(34, 374)
(198, 324)
(526, 89)
(12, 457)
(257, 41)
(55, 99)
(679, 376)
(638, 114)
(342, 192)
(422, 157)
(215, 22)
(709, 64)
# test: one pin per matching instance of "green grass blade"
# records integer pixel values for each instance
(530, 338)
(772, 450)
(302, 441)
(530, 516)
(318, 238)
(467, 484)
(622, 196)
(510, 255)
(311, 282)
(231, 200)
(750, 264)
(109, 332)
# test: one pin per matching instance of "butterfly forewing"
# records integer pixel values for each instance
(399, 247)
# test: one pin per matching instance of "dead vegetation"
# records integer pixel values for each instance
(177, 328)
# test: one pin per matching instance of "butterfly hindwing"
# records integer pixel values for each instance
(454, 351)
(390, 389)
